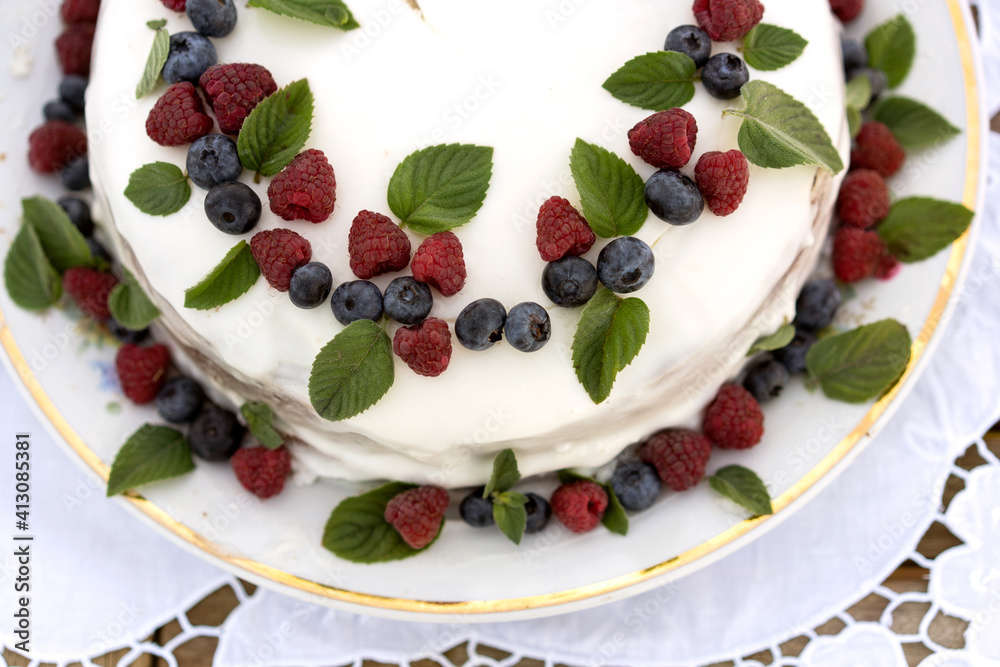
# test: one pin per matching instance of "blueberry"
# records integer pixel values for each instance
(118, 330)
(233, 207)
(212, 18)
(855, 54)
(357, 300)
(636, 484)
(817, 304)
(878, 79)
(215, 434)
(539, 512)
(59, 110)
(673, 197)
(691, 41)
(73, 91)
(311, 285)
(98, 252)
(407, 300)
(765, 380)
(625, 265)
(476, 510)
(75, 175)
(78, 212)
(180, 400)
(793, 355)
(190, 55)
(724, 75)
(213, 159)
(528, 327)
(570, 281)
(480, 324)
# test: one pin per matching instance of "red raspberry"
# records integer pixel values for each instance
(176, 5)
(262, 471)
(80, 11)
(877, 149)
(74, 46)
(90, 290)
(680, 456)
(439, 262)
(377, 245)
(417, 514)
(142, 371)
(561, 230)
(425, 347)
(722, 179)
(580, 505)
(665, 139)
(888, 266)
(304, 190)
(734, 419)
(235, 90)
(863, 199)
(847, 10)
(726, 20)
(278, 253)
(178, 117)
(856, 253)
(53, 145)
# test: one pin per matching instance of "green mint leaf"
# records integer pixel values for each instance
(611, 192)
(440, 187)
(913, 124)
(157, 24)
(510, 515)
(779, 131)
(744, 488)
(277, 129)
(854, 121)
(861, 364)
(568, 476)
(768, 47)
(892, 46)
(130, 305)
(149, 455)
(918, 227)
(615, 519)
(610, 334)
(352, 372)
(779, 339)
(230, 279)
(155, 61)
(330, 13)
(259, 418)
(655, 81)
(505, 473)
(62, 242)
(159, 188)
(32, 282)
(859, 92)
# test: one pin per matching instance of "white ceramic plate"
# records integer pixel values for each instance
(67, 370)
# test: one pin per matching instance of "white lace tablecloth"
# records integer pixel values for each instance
(104, 580)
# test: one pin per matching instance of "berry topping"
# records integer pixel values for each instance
(357, 300)
(262, 471)
(856, 253)
(480, 324)
(235, 89)
(476, 510)
(311, 285)
(854, 54)
(90, 290)
(121, 334)
(425, 347)
(665, 139)
(863, 199)
(847, 10)
(625, 265)
(528, 327)
(59, 110)
(692, 41)
(98, 252)
(178, 117)
(727, 20)
(190, 55)
(724, 76)
(215, 434)
(180, 400)
(570, 281)
(175, 5)
(539, 512)
(75, 176)
(417, 514)
(722, 179)
(73, 91)
(376, 245)
(765, 380)
(877, 149)
(278, 253)
(734, 419)
(80, 11)
(234, 208)
(888, 266)
(439, 262)
(673, 197)
(304, 190)
(636, 484)
(679, 456)
(212, 18)
(561, 230)
(78, 212)
(407, 300)
(53, 145)
(878, 79)
(213, 159)
(74, 46)
(142, 371)
(580, 505)
(793, 355)
(817, 304)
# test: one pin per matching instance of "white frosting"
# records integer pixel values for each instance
(526, 79)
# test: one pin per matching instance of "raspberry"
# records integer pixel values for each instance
(278, 253)
(888, 266)
(847, 10)
(665, 139)
(722, 179)
(53, 145)
(80, 11)
(178, 117)
(377, 245)
(235, 89)
(561, 230)
(90, 289)
(425, 347)
(863, 199)
(877, 149)
(734, 419)
(304, 190)
(580, 505)
(726, 20)
(856, 253)
(439, 262)
(262, 471)
(176, 5)
(417, 514)
(680, 456)
(74, 46)
(142, 371)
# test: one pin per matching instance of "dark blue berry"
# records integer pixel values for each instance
(407, 300)
(636, 484)
(215, 434)
(879, 80)
(570, 281)
(539, 512)
(480, 324)
(311, 285)
(855, 54)
(78, 212)
(73, 91)
(817, 304)
(528, 327)
(724, 75)
(75, 175)
(357, 300)
(476, 510)
(180, 400)
(673, 197)
(213, 159)
(233, 207)
(765, 380)
(212, 18)
(691, 41)
(793, 355)
(99, 252)
(118, 330)
(625, 265)
(190, 55)
(58, 110)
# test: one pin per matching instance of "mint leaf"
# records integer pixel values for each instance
(854, 121)
(744, 488)
(149, 455)
(62, 242)
(130, 305)
(768, 47)
(32, 282)
(913, 124)
(615, 519)
(611, 192)
(859, 96)
(352, 372)
(779, 131)
(505, 473)
(230, 279)
(259, 418)
(331, 13)
(858, 365)
(919, 227)
(655, 81)
(510, 515)
(155, 61)
(892, 47)
(277, 129)
(610, 334)
(440, 187)
(157, 24)
(779, 339)
(159, 188)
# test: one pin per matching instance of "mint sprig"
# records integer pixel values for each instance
(32, 282)
(654, 81)
(779, 339)
(230, 279)
(768, 47)
(151, 454)
(859, 96)
(159, 188)
(277, 129)
(915, 125)
(892, 47)
(130, 306)
(609, 336)
(861, 364)
(920, 227)
(744, 488)
(615, 517)
(509, 512)
(259, 418)
(330, 13)
(62, 242)
(156, 59)
(611, 192)
(352, 372)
